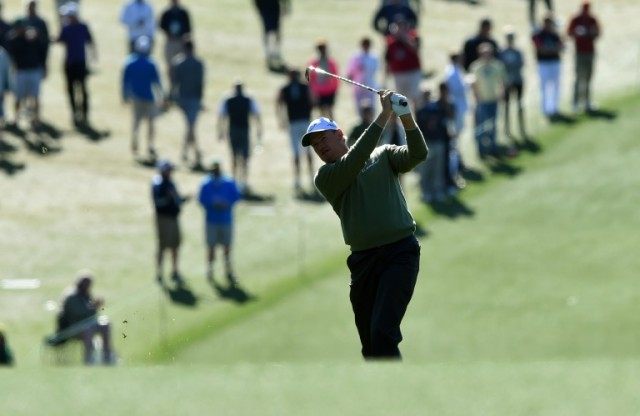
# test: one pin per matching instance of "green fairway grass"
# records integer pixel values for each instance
(525, 305)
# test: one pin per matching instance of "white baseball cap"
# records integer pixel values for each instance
(142, 44)
(319, 124)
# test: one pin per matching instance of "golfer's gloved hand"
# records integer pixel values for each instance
(397, 107)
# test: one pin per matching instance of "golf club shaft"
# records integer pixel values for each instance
(350, 81)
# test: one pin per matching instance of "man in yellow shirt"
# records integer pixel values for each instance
(488, 88)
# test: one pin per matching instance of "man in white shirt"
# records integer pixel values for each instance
(363, 67)
(138, 17)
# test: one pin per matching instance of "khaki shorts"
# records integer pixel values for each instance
(219, 234)
(144, 109)
(168, 231)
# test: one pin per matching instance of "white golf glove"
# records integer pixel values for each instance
(397, 107)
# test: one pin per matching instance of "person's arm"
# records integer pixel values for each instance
(164, 22)
(334, 178)
(187, 22)
(596, 29)
(281, 115)
(404, 158)
(222, 120)
(255, 111)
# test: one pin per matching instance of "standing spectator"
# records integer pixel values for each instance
(488, 89)
(366, 118)
(402, 59)
(270, 12)
(363, 67)
(75, 36)
(167, 203)
(323, 87)
(218, 195)
(137, 16)
(470, 49)
(234, 118)
(6, 356)
(433, 119)
(79, 318)
(584, 29)
(5, 83)
(28, 45)
(457, 86)
(532, 10)
(295, 97)
(393, 11)
(513, 61)
(176, 25)
(549, 47)
(5, 27)
(141, 86)
(188, 86)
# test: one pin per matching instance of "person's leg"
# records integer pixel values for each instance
(137, 110)
(70, 79)
(532, 12)
(543, 71)
(395, 289)
(549, 5)
(507, 96)
(294, 139)
(104, 329)
(481, 129)
(520, 104)
(589, 75)
(87, 340)
(151, 133)
(440, 170)
(554, 81)
(82, 83)
(492, 122)
(231, 277)
(362, 293)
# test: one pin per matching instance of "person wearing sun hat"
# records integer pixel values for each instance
(362, 185)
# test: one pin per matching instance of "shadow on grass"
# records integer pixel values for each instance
(9, 167)
(44, 128)
(529, 145)
(502, 167)
(252, 196)
(181, 294)
(452, 208)
(91, 133)
(602, 113)
(472, 175)
(313, 196)
(233, 293)
(15, 130)
(146, 162)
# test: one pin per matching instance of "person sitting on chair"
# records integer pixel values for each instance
(79, 319)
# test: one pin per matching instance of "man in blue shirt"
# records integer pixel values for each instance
(75, 36)
(218, 195)
(513, 61)
(141, 86)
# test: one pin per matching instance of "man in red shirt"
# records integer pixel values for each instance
(584, 29)
(402, 59)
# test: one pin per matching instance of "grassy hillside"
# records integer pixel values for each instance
(525, 303)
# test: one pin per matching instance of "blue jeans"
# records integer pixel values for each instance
(485, 128)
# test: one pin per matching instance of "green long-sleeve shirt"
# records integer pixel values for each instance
(364, 189)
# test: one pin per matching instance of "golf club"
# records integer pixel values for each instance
(350, 81)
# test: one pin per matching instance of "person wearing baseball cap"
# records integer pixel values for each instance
(362, 185)
(167, 202)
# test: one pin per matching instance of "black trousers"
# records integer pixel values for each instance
(76, 75)
(382, 282)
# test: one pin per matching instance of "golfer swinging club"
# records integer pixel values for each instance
(361, 184)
